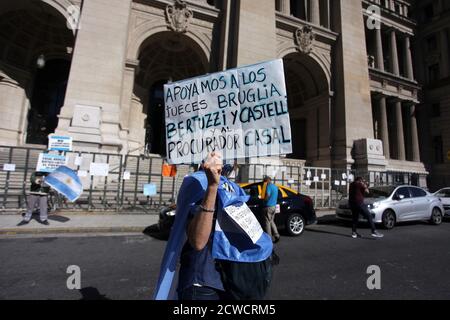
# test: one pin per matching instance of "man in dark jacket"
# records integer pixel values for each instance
(38, 194)
(358, 189)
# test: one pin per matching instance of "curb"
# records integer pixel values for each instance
(17, 231)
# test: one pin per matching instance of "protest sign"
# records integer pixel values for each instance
(99, 169)
(9, 167)
(240, 113)
(59, 143)
(50, 162)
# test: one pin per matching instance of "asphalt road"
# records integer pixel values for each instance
(325, 263)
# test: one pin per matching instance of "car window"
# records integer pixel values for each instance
(252, 190)
(404, 192)
(417, 193)
(447, 193)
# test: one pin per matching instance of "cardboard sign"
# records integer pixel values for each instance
(9, 167)
(99, 169)
(50, 162)
(150, 189)
(59, 143)
(240, 113)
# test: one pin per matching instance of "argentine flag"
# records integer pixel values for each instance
(66, 182)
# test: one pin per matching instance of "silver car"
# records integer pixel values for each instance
(391, 204)
(444, 195)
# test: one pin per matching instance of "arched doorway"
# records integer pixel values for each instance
(35, 56)
(164, 57)
(308, 100)
(49, 90)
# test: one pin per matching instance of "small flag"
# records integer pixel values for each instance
(66, 182)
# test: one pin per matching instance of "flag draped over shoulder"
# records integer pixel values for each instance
(66, 182)
(229, 241)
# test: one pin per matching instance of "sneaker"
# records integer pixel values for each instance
(356, 235)
(45, 222)
(376, 234)
(23, 222)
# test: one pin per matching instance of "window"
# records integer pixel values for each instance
(403, 192)
(417, 193)
(433, 73)
(436, 110)
(431, 43)
(438, 148)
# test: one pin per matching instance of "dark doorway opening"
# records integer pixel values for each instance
(47, 99)
(155, 136)
(298, 139)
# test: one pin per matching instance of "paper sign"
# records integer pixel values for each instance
(316, 179)
(343, 183)
(50, 162)
(308, 182)
(344, 176)
(291, 181)
(126, 175)
(78, 161)
(9, 167)
(245, 218)
(337, 183)
(351, 178)
(241, 113)
(308, 174)
(99, 169)
(82, 173)
(59, 143)
(150, 189)
(323, 177)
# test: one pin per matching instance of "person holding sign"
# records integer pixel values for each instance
(38, 195)
(269, 210)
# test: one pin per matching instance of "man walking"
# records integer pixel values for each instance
(269, 210)
(38, 195)
(358, 189)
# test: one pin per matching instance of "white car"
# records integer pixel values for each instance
(392, 204)
(444, 195)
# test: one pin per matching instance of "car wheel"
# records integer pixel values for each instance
(389, 219)
(295, 225)
(436, 217)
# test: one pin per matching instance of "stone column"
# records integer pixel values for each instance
(408, 59)
(394, 54)
(445, 68)
(414, 134)
(383, 127)
(286, 7)
(379, 47)
(314, 11)
(400, 134)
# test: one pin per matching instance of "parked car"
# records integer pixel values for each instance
(444, 195)
(392, 204)
(295, 210)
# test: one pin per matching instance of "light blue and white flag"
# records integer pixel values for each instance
(66, 182)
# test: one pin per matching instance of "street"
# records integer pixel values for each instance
(324, 263)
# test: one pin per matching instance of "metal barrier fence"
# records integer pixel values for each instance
(123, 187)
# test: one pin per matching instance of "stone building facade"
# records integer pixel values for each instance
(353, 90)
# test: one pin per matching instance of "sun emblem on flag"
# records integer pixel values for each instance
(68, 180)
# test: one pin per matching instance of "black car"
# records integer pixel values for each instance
(295, 210)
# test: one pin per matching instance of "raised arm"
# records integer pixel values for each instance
(200, 227)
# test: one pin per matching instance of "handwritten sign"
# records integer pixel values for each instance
(9, 167)
(245, 218)
(241, 113)
(50, 162)
(59, 143)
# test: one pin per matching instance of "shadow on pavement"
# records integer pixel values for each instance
(154, 232)
(58, 218)
(347, 235)
(90, 293)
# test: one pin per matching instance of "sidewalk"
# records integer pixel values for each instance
(67, 222)
(74, 222)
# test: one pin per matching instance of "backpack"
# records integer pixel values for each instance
(245, 266)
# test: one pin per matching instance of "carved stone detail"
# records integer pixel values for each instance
(304, 37)
(178, 16)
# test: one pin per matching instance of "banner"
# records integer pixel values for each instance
(50, 162)
(59, 143)
(241, 113)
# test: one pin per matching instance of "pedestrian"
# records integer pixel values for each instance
(217, 259)
(358, 189)
(38, 195)
(269, 209)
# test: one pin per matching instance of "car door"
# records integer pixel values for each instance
(420, 203)
(403, 207)
(444, 195)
